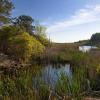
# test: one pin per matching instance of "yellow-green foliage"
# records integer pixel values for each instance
(98, 68)
(44, 40)
(24, 46)
(40, 32)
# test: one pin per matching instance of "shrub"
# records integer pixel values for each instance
(5, 33)
(24, 46)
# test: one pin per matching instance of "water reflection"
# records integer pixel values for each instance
(51, 73)
(86, 48)
(26, 81)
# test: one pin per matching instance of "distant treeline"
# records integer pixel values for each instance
(94, 40)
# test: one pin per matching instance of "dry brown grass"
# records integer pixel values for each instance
(90, 98)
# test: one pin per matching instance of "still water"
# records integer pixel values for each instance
(32, 83)
(51, 73)
(86, 48)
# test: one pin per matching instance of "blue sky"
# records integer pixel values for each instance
(66, 20)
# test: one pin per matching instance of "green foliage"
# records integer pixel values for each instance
(71, 86)
(43, 92)
(6, 7)
(44, 41)
(63, 85)
(25, 23)
(64, 56)
(5, 33)
(20, 86)
(17, 88)
(7, 87)
(98, 69)
(79, 58)
(21, 45)
(24, 46)
(40, 33)
(95, 81)
(95, 39)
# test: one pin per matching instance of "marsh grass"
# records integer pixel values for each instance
(72, 86)
(28, 84)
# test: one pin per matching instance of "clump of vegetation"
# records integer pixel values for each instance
(95, 81)
(20, 39)
(40, 34)
(5, 33)
(24, 22)
(25, 46)
(95, 39)
(72, 86)
(21, 45)
(60, 53)
(6, 7)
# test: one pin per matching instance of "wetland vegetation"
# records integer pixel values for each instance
(34, 68)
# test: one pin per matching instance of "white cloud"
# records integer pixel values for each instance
(87, 15)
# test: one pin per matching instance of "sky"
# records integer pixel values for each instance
(65, 20)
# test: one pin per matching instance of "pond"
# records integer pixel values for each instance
(31, 79)
(86, 48)
(37, 81)
(51, 73)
